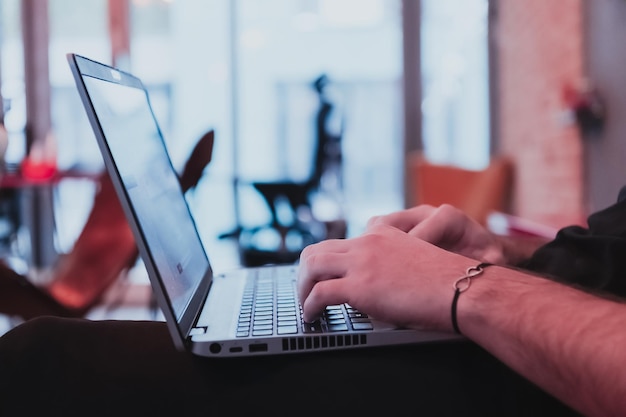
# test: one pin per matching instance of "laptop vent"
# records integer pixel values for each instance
(323, 342)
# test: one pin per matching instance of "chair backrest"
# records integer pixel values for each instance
(476, 192)
(327, 147)
(105, 248)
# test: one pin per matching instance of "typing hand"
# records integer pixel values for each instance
(385, 273)
(448, 228)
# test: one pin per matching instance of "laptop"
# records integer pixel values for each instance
(242, 312)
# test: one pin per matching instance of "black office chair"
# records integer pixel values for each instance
(301, 228)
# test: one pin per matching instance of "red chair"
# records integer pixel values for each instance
(103, 251)
(476, 192)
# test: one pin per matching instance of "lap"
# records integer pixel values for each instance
(81, 367)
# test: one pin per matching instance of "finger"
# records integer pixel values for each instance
(329, 245)
(319, 263)
(331, 292)
(404, 220)
(430, 230)
(442, 226)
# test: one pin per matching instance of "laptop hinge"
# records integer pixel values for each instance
(197, 331)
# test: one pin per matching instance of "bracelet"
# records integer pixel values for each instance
(461, 285)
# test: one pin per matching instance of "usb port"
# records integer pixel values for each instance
(258, 347)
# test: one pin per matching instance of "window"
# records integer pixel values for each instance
(282, 48)
(12, 78)
(80, 27)
(455, 75)
(246, 69)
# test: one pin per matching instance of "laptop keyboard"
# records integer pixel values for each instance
(270, 307)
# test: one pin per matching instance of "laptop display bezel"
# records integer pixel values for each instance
(178, 326)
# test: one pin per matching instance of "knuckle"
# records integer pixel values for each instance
(448, 209)
(309, 252)
(374, 220)
(309, 259)
(306, 252)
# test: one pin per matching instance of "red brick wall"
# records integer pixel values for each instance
(539, 51)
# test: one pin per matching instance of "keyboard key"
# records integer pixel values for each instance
(338, 327)
(287, 329)
(315, 327)
(270, 307)
(362, 326)
(360, 320)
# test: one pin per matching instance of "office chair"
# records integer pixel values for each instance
(477, 192)
(301, 226)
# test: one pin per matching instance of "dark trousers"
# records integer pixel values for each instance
(60, 366)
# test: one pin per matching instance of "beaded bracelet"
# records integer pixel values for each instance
(461, 285)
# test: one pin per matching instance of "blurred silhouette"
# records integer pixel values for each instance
(290, 203)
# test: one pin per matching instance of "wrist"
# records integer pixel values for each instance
(461, 285)
(493, 300)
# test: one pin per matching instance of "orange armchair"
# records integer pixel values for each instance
(476, 192)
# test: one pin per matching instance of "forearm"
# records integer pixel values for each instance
(570, 343)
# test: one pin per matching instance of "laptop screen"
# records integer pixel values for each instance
(151, 183)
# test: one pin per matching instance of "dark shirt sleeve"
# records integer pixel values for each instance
(592, 257)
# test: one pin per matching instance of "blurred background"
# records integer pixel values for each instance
(245, 69)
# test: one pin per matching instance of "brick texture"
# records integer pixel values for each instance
(539, 47)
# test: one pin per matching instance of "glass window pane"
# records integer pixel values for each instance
(455, 82)
(181, 50)
(81, 27)
(12, 78)
(283, 47)
(246, 70)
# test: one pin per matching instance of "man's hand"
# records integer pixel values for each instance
(385, 273)
(560, 338)
(450, 229)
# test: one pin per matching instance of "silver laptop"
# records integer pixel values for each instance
(247, 311)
